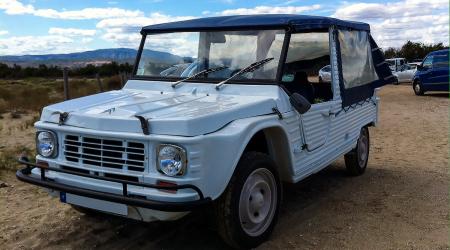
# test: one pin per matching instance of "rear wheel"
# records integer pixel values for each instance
(418, 89)
(356, 160)
(247, 211)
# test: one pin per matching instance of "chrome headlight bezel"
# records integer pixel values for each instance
(183, 160)
(54, 141)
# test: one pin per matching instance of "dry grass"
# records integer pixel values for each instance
(21, 102)
(9, 156)
(35, 93)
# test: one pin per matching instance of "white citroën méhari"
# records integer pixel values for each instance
(219, 112)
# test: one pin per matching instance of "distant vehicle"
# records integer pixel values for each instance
(406, 73)
(396, 63)
(433, 73)
(325, 74)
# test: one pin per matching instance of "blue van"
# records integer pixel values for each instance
(432, 74)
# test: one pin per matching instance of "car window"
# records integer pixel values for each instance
(308, 57)
(440, 60)
(427, 62)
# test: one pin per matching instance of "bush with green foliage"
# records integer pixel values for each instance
(413, 50)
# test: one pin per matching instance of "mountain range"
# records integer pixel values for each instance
(120, 55)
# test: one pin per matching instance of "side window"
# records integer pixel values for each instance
(307, 69)
(427, 62)
(356, 58)
(440, 61)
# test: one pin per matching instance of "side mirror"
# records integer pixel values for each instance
(419, 67)
(300, 103)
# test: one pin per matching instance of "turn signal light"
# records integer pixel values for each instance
(166, 184)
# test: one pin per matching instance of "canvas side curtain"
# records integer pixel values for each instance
(362, 66)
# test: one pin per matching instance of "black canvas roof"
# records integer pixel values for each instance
(296, 22)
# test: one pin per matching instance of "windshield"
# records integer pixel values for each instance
(183, 54)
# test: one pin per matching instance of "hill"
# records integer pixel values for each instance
(100, 56)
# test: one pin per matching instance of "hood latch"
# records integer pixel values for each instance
(144, 124)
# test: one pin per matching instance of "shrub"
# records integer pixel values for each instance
(3, 106)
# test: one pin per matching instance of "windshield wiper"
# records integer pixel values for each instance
(203, 72)
(252, 67)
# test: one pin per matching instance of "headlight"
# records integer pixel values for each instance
(46, 144)
(171, 160)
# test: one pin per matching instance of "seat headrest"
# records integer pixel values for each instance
(301, 76)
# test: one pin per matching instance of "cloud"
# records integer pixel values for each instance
(125, 31)
(23, 45)
(14, 7)
(269, 10)
(71, 32)
(3, 32)
(393, 23)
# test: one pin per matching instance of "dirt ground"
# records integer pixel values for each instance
(401, 202)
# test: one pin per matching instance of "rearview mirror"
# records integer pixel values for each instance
(300, 103)
(217, 38)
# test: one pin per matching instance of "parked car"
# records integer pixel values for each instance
(325, 74)
(161, 147)
(433, 73)
(396, 63)
(405, 73)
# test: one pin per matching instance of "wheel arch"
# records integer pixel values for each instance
(273, 141)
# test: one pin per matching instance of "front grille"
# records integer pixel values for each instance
(108, 153)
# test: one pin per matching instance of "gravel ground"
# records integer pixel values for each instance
(401, 202)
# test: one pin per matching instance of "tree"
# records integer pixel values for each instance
(413, 50)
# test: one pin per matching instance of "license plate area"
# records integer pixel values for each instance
(105, 206)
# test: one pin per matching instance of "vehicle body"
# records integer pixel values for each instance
(325, 74)
(405, 73)
(433, 73)
(164, 145)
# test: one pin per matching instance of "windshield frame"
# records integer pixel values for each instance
(276, 80)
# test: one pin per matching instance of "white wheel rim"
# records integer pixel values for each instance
(258, 202)
(417, 88)
(363, 149)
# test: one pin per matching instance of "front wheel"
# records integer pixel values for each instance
(356, 160)
(418, 89)
(247, 211)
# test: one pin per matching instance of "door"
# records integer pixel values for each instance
(440, 71)
(426, 71)
(316, 125)
(307, 60)
(406, 73)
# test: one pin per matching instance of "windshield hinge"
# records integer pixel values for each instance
(62, 117)
(144, 124)
(277, 111)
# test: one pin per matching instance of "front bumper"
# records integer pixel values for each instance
(24, 175)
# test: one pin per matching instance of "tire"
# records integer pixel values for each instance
(356, 160)
(418, 88)
(396, 82)
(246, 219)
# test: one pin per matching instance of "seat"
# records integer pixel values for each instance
(302, 86)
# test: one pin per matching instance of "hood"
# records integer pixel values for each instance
(168, 111)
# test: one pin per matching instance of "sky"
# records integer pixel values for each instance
(65, 26)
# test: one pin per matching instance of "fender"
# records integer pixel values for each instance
(235, 138)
